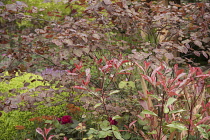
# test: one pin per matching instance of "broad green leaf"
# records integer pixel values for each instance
(97, 105)
(166, 110)
(127, 136)
(146, 127)
(142, 122)
(116, 117)
(118, 135)
(92, 131)
(153, 132)
(177, 126)
(114, 128)
(122, 84)
(103, 134)
(148, 112)
(126, 84)
(176, 111)
(203, 132)
(170, 101)
(105, 125)
(113, 92)
(156, 97)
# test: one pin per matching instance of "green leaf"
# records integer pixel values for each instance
(113, 92)
(118, 135)
(146, 127)
(156, 97)
(92, 131)
(153, 132)
(177, 126)
(166, 110)
(149, 112)
(126, 84)
(105, 125)
(203, 132)
(176, 111)
(142, 122)
(103, 134)
(114, 128)
(97, 105)
(116, 117)
(170, 101)
(127, 136)
(49, 121)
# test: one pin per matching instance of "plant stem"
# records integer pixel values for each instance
(161, 120)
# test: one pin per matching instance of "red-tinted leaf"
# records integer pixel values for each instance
(50, 138)
(98, 89)
(3, 42)
(79, 87)
(58, 15)
(178, 72)
(47, 130)
(146, 64)
(87, 71)
(79, 66)
(48, 36)
(132, 123)
(204, 120)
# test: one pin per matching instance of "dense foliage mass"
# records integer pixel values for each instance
(104, 69)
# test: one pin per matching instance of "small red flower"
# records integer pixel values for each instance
(65, 119)
(112, 122)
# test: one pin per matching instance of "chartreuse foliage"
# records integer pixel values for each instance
(18, 82)
(28, 120)
(9, 121)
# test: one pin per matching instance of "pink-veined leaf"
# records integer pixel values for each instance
(47, 130)
(203, 75)
(132, 123)
(155, 71)
(143, 104)
(41, 132)
(146, 64)
(179, 76)
(79, 87)
(140, 67)
(183, 82)
(140, 117)
(50, 138)
(88, 76)
(204, 120)
(147, 78)
(65, 138)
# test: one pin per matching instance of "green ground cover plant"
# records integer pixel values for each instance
(109, 69)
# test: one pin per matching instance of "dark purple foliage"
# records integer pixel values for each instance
(112, 122)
